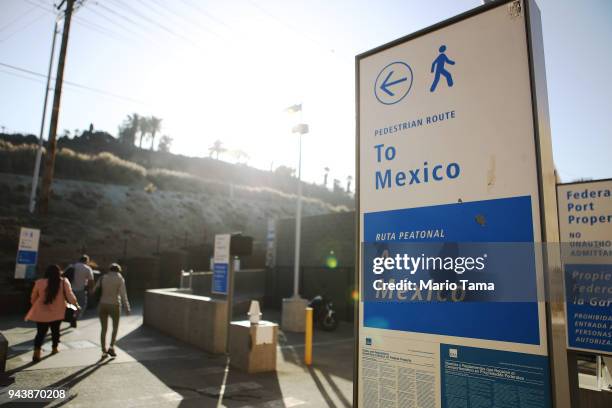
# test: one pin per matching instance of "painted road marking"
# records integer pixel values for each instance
(287, 402)
(230, 388)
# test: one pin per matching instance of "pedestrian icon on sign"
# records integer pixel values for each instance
(438, 67)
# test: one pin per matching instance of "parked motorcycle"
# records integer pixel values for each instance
(323, 313)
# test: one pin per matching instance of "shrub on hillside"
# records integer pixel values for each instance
(109, 169)
(175, 180)
(102, 167)
(17, 159)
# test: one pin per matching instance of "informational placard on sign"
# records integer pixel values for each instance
(449, 173)
(27, 253)
(221, 259)
(585, 225)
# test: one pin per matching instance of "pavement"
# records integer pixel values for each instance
(154, 370)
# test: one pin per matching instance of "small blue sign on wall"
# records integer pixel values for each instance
(220, 279)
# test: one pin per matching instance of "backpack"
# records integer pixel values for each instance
(69, 273)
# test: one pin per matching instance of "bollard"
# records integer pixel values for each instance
(308, 338)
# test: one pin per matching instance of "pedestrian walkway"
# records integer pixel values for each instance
(154, 370)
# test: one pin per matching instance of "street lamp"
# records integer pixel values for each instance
(300, 129)
(293, 315)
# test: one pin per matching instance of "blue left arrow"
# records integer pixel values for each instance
(386, 84)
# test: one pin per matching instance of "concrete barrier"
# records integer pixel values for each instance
(196, 320)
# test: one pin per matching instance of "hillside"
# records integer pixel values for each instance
(113, 208)
(98, 142)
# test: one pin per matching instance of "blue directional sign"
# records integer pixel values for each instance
(220, 279)
(393, 83)
(27, 257)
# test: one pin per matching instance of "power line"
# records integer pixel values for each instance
(28, 25)
(147, 19)
(114, 22)
(170, 11)
(16, 19)
(113, 12)
(74, 84)
(83, 22)
(15, 74)
(292, 28)
(97, 28)
(205, 13)
(44, 6)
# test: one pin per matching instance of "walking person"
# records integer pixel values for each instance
(113, 295)
(49, 297)
(439, 67)
(82, 281)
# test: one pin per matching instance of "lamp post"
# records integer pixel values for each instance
(300, 129)
(293, 313)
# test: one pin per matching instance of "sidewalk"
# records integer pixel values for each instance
(154, 370)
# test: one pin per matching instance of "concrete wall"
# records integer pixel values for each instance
(320, 236)
(198, 320)
(249, 282)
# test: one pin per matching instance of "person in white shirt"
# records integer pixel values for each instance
(83, 280)
(112, 296)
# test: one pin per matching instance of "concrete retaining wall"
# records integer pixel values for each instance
(196, 320)
(321, 235)
(247, 283)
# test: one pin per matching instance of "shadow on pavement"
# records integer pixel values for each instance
(201, 379)
(323, 391)
(332, 351)
(67, 383)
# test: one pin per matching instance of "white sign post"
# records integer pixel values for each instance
(223, 277)
(453, 148)
(221, 264)
(27, 253)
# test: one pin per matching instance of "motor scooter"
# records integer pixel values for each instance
(323, 313)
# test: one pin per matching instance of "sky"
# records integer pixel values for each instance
(226, 70)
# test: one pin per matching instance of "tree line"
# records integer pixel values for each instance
(137, 128)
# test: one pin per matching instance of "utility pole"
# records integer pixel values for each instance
(52, 145)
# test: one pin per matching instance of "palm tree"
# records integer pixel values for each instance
(325, 176)
(144, 126)
(134, 123)
(217, 149)
(128, 129)
(240, 155)
(164, 144)
(337, 187)
(154, 127)
(348, 184)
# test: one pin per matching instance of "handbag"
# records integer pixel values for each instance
(71, 310)
(97, 295)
